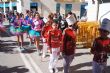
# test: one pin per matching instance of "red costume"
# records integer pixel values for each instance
(100, 45)
(55, 38)
(45, 31)
(69, 42)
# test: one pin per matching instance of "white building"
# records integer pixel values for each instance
(44, 7)
(98, 9)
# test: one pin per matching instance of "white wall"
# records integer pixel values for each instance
(92, 12)
(25, 5)
(104, 10)
(47, 7)
(19, 7)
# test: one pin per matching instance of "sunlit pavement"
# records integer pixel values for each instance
(15, 60)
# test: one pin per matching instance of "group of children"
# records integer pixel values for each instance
(57, 40)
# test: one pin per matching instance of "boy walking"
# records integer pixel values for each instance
(101, 47)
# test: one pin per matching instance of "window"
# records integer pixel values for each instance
(34, 6)
(58, 7)
(83, 11)
(68, 8)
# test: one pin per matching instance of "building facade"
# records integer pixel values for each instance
(44, 7)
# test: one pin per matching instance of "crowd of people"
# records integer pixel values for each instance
(59, 36)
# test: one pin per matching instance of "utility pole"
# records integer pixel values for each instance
(97, 10)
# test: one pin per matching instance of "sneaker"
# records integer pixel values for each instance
(22, 48)
(51, 70)
(43, 56)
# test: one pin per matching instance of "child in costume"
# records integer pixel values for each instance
(35, 33)
(54, 42)
(101, 47)
(68, 45)
(45, 32)
(16, 29)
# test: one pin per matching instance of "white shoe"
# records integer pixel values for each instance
(43, 56)
(51, 70)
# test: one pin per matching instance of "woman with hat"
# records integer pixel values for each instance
(101, 47)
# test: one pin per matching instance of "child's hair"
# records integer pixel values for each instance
(55, 21)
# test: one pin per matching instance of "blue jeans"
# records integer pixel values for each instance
(99, 67)
(67, 61)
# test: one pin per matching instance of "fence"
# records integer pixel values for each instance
(87, 32)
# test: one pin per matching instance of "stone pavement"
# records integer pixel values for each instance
(82, 62)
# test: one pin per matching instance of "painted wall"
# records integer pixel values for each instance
(45, 7)
(92, 12)
(25, 5)
(19, 6)
(104, 11)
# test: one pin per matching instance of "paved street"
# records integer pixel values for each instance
(12, 60)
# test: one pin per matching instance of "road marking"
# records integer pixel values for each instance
(27, 64)
(34, 64)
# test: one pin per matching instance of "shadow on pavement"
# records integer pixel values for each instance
(7, 33)
(108, 69)
(30, 48)
(75, 68)
(17, 69)
(80, 54)
(7, 46)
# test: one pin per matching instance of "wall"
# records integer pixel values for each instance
(104, 11)
(47, 7)
(92, 11)
(25, 5)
